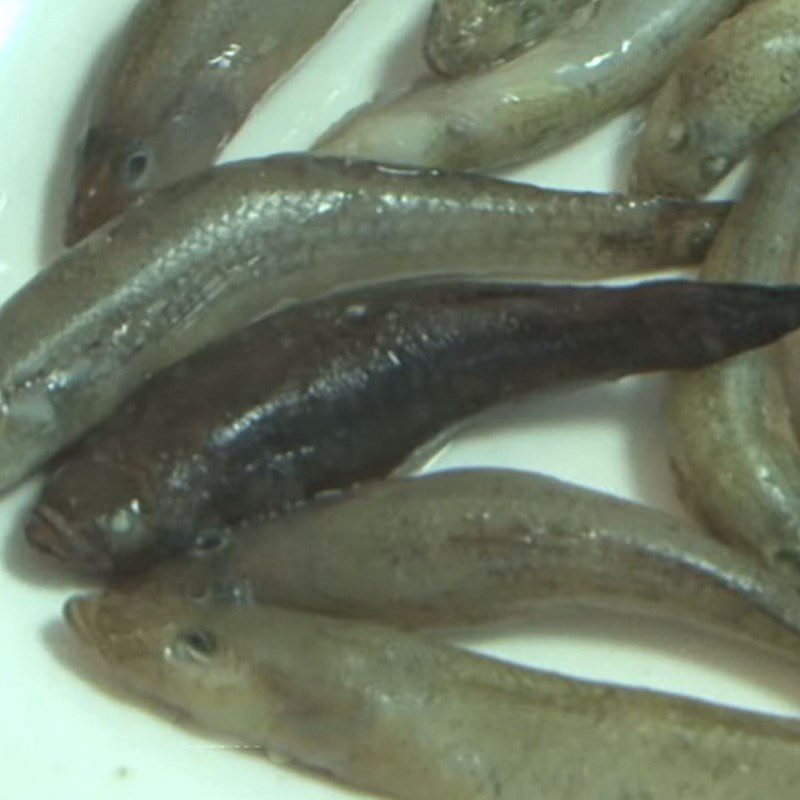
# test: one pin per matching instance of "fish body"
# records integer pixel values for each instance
(463, 547)
(185, 76)
(408, 718)
(464, 36)
(540, 101)
(325, 395)
(732, 443)
(204, 256)
(728, 91)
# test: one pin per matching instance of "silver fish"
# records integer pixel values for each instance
(408, 718)
(541, 100)
(204, 256)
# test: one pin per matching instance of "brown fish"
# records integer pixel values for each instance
(408, 718)
(185, 76)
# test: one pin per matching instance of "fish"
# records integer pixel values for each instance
(325, 395)
(464, 36)
(473, 546)
(204, 256)
(184, 77)
(540, 101)
(727, 92)
(406, 717)
(732, 446)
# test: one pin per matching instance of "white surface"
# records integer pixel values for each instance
(62, 738)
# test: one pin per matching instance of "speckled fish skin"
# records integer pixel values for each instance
(732, 443)
(408, 718)
(541, 100)
(186, 75)
(464, 36)
(325, 395)
(202, 257)
(730, 89)
(463, 547)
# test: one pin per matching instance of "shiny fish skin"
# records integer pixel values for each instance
(326, 395)
(732, 443)
(204, 256)
(728, 91)
(457, 548)
(186, 75)
(541, 100)
(407, 718)
(464, 36)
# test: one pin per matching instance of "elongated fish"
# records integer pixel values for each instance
(186, 75)
(470, 546)
(727, 92)
(205, 256)
(464, 36)
(541, 100)
(325, 395)
(408, 718)
(732, 443)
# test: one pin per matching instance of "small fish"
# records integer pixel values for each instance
(457, 548)
(408, 718)
(540, 101)
(185, 76)
(728, 91)
(464, 36)
(733, 448)
(204, 256)
(325, 395)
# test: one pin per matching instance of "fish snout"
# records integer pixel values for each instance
(48, 531)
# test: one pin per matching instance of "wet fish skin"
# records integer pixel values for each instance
(729, 90)
(185, 76)
(406, 717)
(464, 547)
(322, 396)
(540, 101)
(732, 445)
(202, 257)
(464, 36)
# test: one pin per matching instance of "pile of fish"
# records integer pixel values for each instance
(232, 372)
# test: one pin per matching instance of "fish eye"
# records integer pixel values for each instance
(210, 542)
(715, 166)
(135, 166)
(194, 645)
(677, 135)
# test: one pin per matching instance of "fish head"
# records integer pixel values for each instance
(113, 170)
(680, 153)
(182, 654)
(95, 515)
(118, 163)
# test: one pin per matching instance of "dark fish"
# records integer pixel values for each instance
(322, 396)
(185, 77)
(205, 256)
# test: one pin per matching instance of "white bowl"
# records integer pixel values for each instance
(60, 737)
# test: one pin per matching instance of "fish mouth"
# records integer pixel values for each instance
(50, 532)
